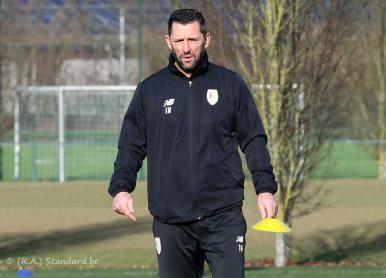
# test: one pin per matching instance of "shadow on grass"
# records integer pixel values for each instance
(336, 245)
(33, 243)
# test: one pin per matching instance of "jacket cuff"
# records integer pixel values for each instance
(265, 191)
(266, 188)
(117, 190)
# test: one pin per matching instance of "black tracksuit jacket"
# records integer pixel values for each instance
(190, 130)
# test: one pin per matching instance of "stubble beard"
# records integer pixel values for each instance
(196, 61)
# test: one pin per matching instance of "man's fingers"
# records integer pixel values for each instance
(130, 205)
(131, 216)
(130, 209)
(118, 211)
(270, 210)
(267, 204)
(129, 212)
(123, 204)
(125, 211)
(262, 211)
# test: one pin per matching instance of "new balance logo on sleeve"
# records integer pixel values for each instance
(168, 105)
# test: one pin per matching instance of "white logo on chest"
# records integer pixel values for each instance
(168, 105)
(212, 96)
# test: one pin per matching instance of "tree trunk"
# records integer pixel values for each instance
(1, 115)
(382, 163)
(283, 244)
(283, 248)
(1, 95)
(381, 8)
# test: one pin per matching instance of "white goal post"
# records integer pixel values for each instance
(59, 116)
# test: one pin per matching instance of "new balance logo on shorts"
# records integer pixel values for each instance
(240, 241)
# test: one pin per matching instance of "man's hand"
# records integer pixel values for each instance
(267, 204)
(123, 204)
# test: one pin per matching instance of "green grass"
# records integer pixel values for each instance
(83, 161)
(75, 220)
(289, 272)
(347, 161)
(93, 160)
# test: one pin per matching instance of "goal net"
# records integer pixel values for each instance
(69, 132)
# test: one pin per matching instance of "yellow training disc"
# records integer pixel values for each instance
(274, 225)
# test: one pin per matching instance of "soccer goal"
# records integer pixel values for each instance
(68, 132)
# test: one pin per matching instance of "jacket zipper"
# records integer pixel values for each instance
(190, 83)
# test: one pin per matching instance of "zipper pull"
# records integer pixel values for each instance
(190, 83)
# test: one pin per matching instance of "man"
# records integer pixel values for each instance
(188, 119)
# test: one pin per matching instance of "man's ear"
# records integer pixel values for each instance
(207, 39)
(167, 40)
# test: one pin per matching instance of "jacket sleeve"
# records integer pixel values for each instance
(131, 146)
(252, 140)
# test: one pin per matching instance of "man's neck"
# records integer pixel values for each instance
(187, 74)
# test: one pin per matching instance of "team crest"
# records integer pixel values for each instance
(212, 96)
(158, 245)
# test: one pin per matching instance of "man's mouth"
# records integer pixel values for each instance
(187, 58)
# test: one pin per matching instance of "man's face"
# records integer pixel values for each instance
(187, 44)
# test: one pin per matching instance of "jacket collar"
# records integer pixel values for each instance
(200, 68)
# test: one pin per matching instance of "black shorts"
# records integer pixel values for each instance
(219, 240)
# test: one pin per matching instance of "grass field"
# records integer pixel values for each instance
(85, 161)
(43, 221)
(348, 161)
(290, 272)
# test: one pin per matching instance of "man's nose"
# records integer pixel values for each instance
(186, 48)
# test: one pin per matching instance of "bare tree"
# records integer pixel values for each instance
(290, 52)
(368, 84)
(1, 92)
